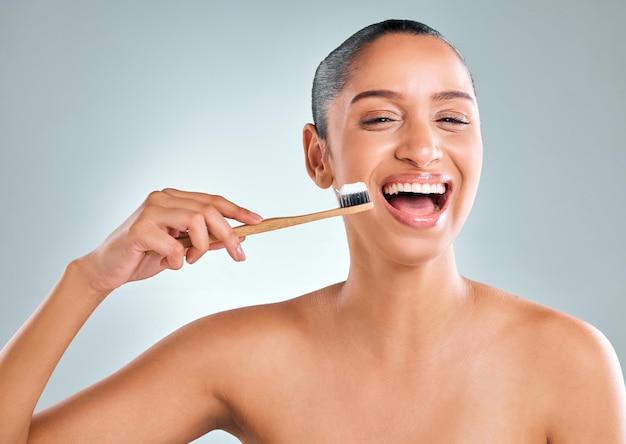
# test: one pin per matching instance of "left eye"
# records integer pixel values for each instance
(453, 120)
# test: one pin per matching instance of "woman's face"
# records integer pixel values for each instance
(407, 125)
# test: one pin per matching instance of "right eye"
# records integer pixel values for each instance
(376, 120)
(380, 120)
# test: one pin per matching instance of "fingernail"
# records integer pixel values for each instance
(241, 256)
(258, 217)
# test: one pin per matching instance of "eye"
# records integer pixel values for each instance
(376, 120)
(453, 120)
(380, 120)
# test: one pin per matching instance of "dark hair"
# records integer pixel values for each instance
(333, 72)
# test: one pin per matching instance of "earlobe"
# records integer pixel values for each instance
(317, 157)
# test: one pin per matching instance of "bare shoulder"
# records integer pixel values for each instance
(564, 337)
(287, 319)
(572, 364)
(236, 343)
(250, 356)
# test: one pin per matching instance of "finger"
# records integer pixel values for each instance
(156, 240)
(198, 234)
(197, 225)
(218, 245)
(221, 229)
(225, 207)
(155, 228)
(197, 216)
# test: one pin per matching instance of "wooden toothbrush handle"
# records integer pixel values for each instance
(276, 223)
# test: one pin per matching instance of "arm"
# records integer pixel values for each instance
(125, 402)
(28, 359)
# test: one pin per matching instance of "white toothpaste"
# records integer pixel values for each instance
(352, 188)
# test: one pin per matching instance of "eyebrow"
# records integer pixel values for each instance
(388, 94)
(449, 95)
(384, 93)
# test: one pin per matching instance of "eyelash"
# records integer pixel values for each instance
(376, 120)
(386, 119)
(453, 120)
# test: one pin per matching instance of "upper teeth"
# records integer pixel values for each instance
(421, 188)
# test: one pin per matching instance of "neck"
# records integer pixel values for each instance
(393, 306)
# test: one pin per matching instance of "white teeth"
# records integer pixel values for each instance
(420, 188)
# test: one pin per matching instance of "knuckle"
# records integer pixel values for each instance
(232, 238)
(174, 252)
(177, 250)
(148, 213)
(154, 197)
(196, 219)
(209, 209)
(136, 229)
(216, 199)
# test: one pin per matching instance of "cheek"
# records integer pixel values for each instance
(354, 159)
(473, 161)
(472, 180)
(468, 155)
(352, 165)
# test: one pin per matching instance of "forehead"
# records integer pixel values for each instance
(409, 61)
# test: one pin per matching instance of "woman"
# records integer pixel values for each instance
(405, 350)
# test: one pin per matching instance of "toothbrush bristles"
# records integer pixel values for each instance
(355, 198)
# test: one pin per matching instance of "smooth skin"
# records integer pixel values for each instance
(405, 350)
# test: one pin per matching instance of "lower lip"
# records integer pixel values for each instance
(420, 222)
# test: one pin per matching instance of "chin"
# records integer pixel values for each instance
(402, 250)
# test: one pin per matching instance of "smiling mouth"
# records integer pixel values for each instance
(417, 199)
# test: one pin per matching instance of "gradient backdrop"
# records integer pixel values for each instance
(103, 101)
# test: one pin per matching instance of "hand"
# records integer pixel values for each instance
(154, 226)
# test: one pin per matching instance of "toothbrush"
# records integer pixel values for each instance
(353, 198)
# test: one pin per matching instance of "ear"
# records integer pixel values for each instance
(317, 157)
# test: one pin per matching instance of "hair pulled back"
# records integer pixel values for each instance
(334, 71)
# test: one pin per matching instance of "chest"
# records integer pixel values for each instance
(453, 406)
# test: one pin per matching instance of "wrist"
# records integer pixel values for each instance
(78, 273)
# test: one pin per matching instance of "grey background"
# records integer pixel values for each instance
(103, 101)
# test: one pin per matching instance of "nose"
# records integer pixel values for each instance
(419, 146)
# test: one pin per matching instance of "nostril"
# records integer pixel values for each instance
(421, 150)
